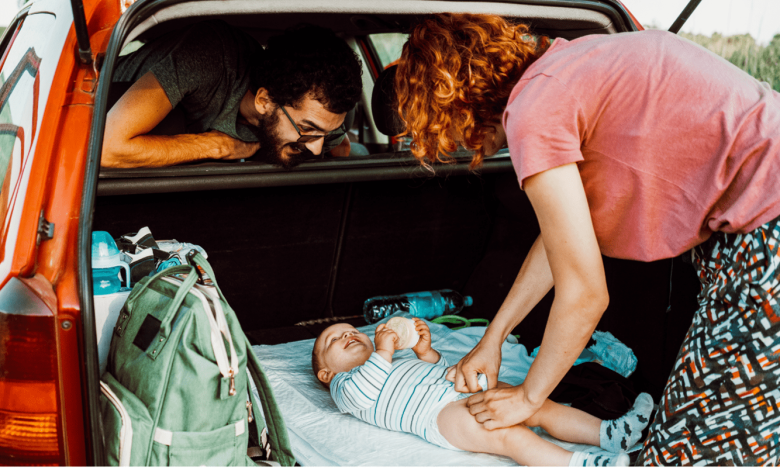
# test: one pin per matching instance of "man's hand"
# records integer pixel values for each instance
(342, 149)
(385, 340)
(502, 407)
(423, 348)
(485, 358)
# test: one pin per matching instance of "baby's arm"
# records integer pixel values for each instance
(359, 388)
(423, 348)
(385, 340)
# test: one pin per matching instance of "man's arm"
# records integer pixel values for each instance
(138, 111)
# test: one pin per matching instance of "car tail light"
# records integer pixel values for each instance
(29, 411)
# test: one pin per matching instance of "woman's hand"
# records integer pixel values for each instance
(423, 348)
(485, 358)
(502, 407)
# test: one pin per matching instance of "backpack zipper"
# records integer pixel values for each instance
(249, 415)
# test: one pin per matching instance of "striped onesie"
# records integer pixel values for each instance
(406, 395)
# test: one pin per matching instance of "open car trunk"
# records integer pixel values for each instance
(315, 242)
(284, 255)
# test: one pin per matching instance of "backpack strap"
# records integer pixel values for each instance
(277, 431)
(142, 285)
(173, 308)
(164, 330)
(203, 269)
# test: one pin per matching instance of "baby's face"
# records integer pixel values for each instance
(342, 348)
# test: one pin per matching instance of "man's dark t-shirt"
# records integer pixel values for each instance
(205, 70)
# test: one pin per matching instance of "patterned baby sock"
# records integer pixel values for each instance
(599, 459)
(622, 433)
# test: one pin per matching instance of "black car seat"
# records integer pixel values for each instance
(356, 148)
(384, 104)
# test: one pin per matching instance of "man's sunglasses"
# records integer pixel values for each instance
(306, 138)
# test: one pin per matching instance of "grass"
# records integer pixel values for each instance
(760, 61)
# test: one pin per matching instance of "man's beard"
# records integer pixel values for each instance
(271, 145)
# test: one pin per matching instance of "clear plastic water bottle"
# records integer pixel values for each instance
(426, 305)
(106, 263)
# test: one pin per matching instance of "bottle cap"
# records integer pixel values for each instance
(468, 301)
(105, 254)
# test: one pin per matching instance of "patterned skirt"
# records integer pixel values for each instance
(721, 404)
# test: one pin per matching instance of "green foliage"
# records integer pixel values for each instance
(762, 62)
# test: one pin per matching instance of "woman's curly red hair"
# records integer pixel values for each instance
(454, 78)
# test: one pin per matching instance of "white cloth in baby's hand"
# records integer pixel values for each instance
(405, 329)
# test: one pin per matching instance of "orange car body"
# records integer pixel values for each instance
(44, 416)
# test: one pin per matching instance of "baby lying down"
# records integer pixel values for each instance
(413, 395)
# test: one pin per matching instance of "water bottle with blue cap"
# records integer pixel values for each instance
(106, 265)
(426, 305)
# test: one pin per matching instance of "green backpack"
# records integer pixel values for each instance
(176, 391)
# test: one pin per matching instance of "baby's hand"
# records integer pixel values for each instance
(423, 348)
(385, 339)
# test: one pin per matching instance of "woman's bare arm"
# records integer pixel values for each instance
(574, 257)
(533, 282)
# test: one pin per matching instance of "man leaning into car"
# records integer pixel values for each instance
(283, 104)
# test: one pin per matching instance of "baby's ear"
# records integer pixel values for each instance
(325, 375)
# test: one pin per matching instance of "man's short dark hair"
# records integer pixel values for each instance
(310, 59)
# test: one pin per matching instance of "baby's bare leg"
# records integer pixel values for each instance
(517, 442)
(567, 423)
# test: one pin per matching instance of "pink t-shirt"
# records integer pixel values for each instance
(672, 142)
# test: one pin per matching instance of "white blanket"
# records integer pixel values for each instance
(320, 435)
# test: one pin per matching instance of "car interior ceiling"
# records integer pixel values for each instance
(295, 251)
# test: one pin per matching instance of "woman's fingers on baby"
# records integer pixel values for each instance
(451, 371)
(458, 379)
(472, 382)
(476, 403)
(465, 379)
(479, 412)
(479, 409)
(490, 424)
(483, 419)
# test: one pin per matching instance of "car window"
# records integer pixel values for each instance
(19, 104)
(388, 46)
(131, 47)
